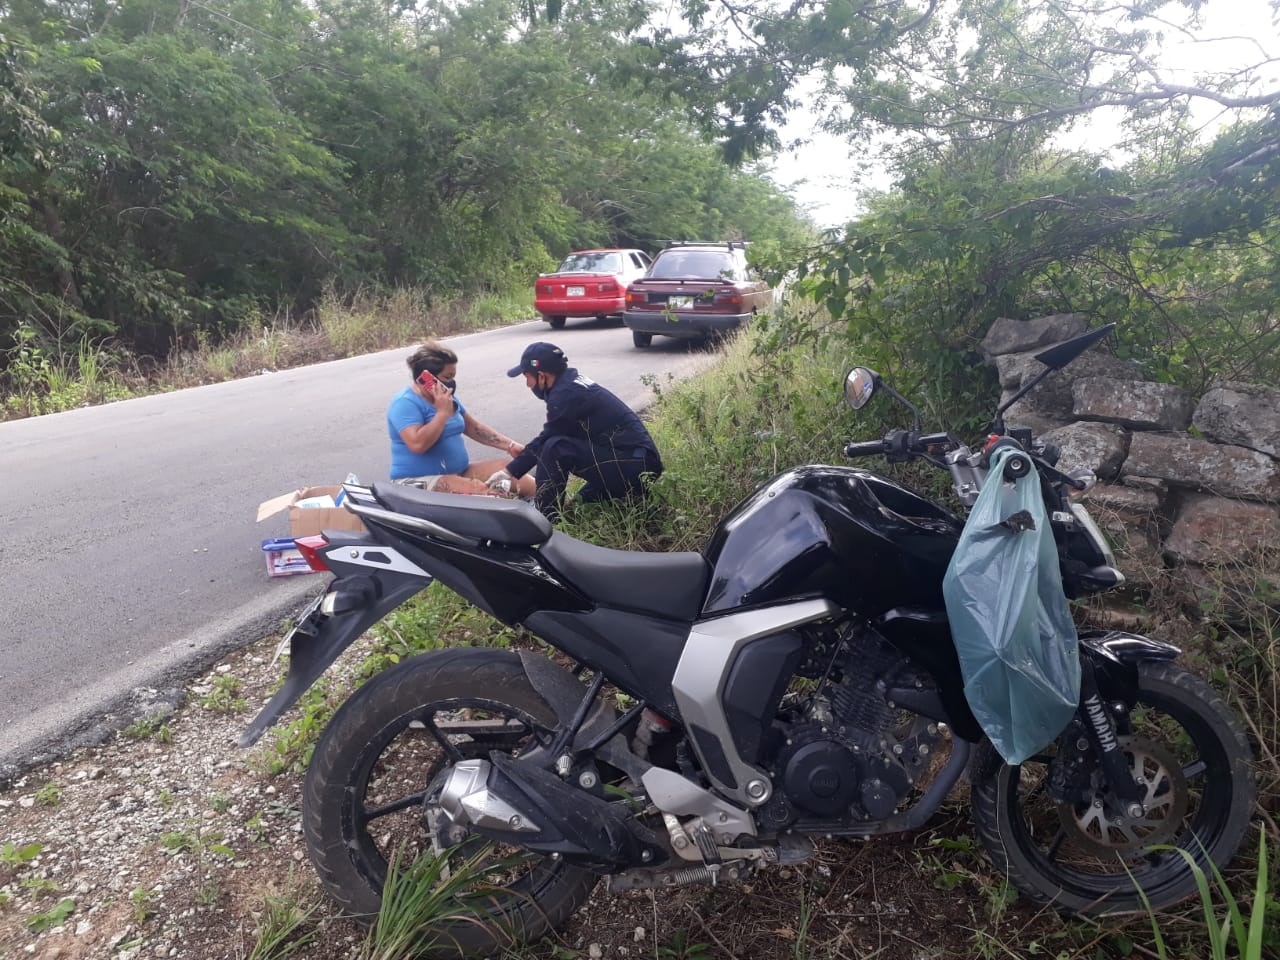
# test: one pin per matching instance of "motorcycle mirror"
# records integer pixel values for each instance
(1060, 354)
(860, 386)
(1054, 358)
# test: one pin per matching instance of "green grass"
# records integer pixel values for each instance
(224, 695)
(284, 927)
(143, 901)
(53, 917)
(1228, 935)
(289, 749)
(49, 795)
(151, 727)
(14, 856)
(422, 897)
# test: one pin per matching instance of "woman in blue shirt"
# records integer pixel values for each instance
(427, 422)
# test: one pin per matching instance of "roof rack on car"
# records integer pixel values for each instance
(731, 244)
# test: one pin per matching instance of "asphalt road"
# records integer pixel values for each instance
(129, 553)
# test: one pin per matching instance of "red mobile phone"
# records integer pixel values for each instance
(427, 379)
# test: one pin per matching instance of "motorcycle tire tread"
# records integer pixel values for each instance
(991, 814)
(493, 674)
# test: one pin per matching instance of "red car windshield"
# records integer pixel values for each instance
(591, 263)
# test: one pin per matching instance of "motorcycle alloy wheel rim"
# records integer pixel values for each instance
(1206, 781)
(369, 835)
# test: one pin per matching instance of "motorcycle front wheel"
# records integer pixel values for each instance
(364, 800)
(1191, 759)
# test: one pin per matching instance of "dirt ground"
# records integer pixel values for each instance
(172, 844)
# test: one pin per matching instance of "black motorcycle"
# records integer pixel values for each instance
(796, 678)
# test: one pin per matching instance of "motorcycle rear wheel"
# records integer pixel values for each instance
(1184, 742)
(365, 785)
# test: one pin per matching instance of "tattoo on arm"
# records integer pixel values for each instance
(489, 438)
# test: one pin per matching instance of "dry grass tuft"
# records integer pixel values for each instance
(37, 381)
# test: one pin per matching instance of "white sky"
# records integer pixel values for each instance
(824, 178)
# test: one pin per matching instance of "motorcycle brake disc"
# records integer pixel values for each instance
(1097, 829)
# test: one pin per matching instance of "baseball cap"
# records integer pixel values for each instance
(540, 356)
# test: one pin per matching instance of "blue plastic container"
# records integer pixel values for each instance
(284, 559)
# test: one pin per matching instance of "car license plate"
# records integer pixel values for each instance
(576, 291)
(679, 303)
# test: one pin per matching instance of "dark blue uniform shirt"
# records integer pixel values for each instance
(580, 408)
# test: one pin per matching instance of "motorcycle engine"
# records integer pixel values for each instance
(850, 754)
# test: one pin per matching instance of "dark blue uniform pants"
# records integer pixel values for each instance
(609, 473)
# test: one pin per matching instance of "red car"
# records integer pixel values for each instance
(589, 283)
(695, 291)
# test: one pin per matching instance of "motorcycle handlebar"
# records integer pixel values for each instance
(869, 449)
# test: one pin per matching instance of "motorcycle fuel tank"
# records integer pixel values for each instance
(851, 536)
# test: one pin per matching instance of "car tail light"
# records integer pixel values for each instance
(609, 286)
(310, 548)
(729, 298)
(635, 297)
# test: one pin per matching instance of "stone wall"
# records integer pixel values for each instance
(1188, 491)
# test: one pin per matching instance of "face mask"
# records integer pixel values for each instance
(539, 390)
(451, 384)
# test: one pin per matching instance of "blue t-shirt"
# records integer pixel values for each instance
(449, 455)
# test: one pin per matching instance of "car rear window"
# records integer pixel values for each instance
(696, 264)
(592, 263)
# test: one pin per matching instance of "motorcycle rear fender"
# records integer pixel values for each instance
(312, 653)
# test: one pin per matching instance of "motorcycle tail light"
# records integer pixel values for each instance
(310, 548)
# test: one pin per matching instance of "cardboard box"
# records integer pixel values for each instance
(283, 558)
(308, 521)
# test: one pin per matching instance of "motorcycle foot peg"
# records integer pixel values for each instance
(706, 842)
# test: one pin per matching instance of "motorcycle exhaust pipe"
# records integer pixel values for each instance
(467, 799)
(519, 803)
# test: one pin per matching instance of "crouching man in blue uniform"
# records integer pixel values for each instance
(589, 433)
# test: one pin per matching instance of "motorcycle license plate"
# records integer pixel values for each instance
(576, 291)
(680, 303)
(303, 618)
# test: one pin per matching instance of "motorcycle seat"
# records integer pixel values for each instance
(479, 518)
(667, 585)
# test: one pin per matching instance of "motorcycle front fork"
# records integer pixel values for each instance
(1124, 794)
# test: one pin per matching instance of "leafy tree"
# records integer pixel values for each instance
(25, 145)
(181, 193)
(987, 217)
(211, 162)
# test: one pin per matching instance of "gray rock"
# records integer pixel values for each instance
(1100, 447)
(1137, 404)
(1245, 414)
(1186, 462)
(1216, 530)
(1019, 336)
(1154, 484)
(1052, 400)
(1135, 504)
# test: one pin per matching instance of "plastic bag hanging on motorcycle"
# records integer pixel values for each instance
(1009, 617)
